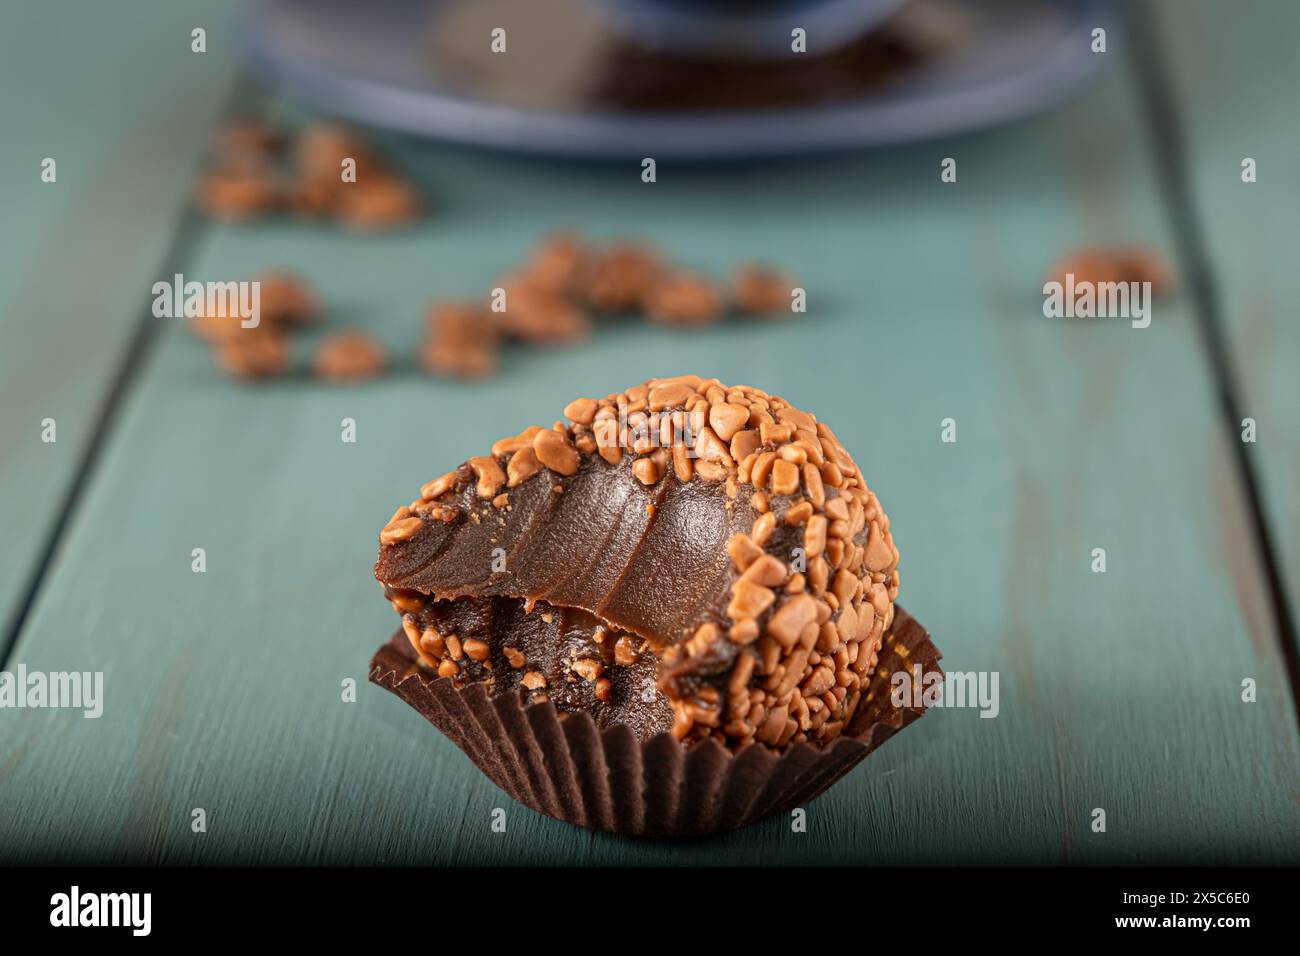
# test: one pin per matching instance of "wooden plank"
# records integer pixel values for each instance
(1236, 74)
(1118, 691)
(77, 256)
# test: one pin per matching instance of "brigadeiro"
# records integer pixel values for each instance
(671, 613)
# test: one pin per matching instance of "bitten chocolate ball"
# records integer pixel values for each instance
(684, 556)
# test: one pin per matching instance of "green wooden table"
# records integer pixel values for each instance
(1120, 691)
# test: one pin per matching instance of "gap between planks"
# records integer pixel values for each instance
(190, 227)
(1156, 98)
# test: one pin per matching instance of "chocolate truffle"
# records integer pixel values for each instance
(682, 556)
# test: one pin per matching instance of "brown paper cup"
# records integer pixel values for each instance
(561, 765)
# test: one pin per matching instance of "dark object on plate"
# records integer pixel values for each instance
(570, 85)
(735, 29)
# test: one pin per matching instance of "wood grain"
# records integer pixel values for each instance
(1118, 691)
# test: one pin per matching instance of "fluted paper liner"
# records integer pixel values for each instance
(561, 765)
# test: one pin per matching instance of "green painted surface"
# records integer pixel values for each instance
(1238, 79)
(1118, 691)
(82, 86)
